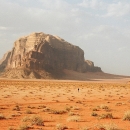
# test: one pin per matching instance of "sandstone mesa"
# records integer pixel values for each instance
(41, 55)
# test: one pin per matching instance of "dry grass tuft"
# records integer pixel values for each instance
(37, 120)
(10, 128)
(25, 119)
(72, 114)
(106, 116)
(95, 109)
(58, 112)
(28, 111)
(73, 119)
(16, 108)
(103, 106)
(94, 114)
(2, 117)
(109, 126)
(61, 127)
(23, 127)
(68, 108)
(126, 116)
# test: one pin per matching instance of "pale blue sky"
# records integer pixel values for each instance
(100, 27)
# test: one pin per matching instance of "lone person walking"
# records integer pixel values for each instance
(78, 89)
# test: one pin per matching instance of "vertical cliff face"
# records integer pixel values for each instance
(4, 61)
(40, 51)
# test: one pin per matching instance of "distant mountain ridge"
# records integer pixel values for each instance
(41, 55)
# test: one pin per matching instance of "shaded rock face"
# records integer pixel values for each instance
(40, 51)
(4, 61)
(89, 66)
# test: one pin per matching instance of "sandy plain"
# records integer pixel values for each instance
(58, 105)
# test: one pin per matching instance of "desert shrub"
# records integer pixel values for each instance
(37, 120)
(85, 128)
(109, 126)
(118, 104)
(31, 107)
(28, 111)
(14, 115)
(107, 115)
(46, 109)
(95, 109)
(10, 128)
(68, 109)
(23, 127)
(73, 119)
(104, 107)
(16, 108)
(41, 106)
(108, 110)
(2, 117)
(25, 119)
(58, 111)
(126, 116)
(76, 108)
(72, 114)
(94, 114)
(79, 102)
(61, 127)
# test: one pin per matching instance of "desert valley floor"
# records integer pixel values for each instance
(57, 105)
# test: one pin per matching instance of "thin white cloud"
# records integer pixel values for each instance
(55, 4)
(122, 49)
(3, 28)
(118, 9)
(94, 4)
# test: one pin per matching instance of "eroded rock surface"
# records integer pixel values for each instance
(43, 52)
(4, 61)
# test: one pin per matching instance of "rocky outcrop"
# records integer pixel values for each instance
(39, 51)
(4, 61)
(89, 66)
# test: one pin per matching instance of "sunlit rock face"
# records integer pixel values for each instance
(40, 51)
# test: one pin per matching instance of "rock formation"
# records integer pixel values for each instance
(4, 61)
(43, 54)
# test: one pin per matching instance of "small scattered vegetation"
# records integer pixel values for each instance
(28, 111)
(126, 116)
(110, 126)
(76, 108)
(31, 107)
(23, 127)
(95, 109)
(58, 111)
(41, 106)
(68, 108)
(85, 128)
(79, 102)
(47, 109)
(37, 120)
(25, 119)
(73, 119)
(10, 128)
(16, 108)
(2, 117)
(104, 107)
(106, 116)
(61, 127)
(94, 114)
(72, 114)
